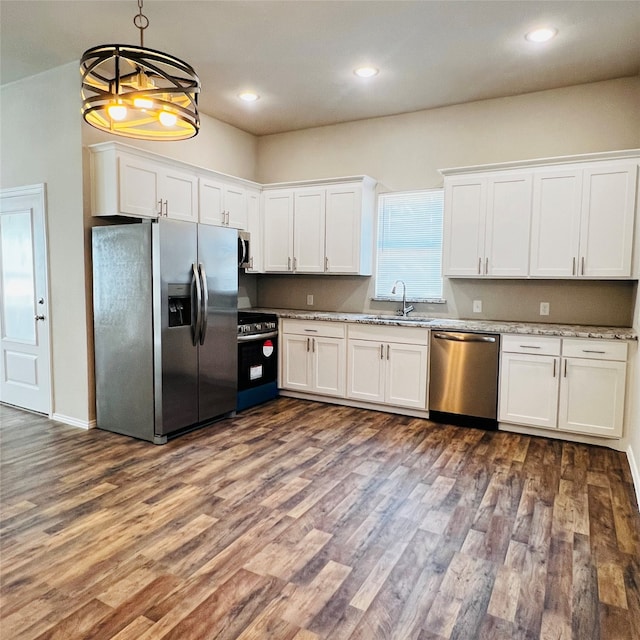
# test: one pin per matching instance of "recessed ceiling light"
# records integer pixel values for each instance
(248, 96)
(366, 72)
(541, 35)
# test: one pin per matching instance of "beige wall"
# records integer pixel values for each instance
(40, 142)
(406, 151)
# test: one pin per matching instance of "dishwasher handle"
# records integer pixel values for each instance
(464, 337)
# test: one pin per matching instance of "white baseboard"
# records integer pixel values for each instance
(635, 473)
(74, 422)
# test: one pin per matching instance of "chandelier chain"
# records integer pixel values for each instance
(141, 22)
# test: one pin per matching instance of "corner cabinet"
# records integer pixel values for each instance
(566, 384)
(319, 227)
(568, 218)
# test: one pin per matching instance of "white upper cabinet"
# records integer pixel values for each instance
(322, 228)
(542, 219)
(555, 228)
(308, 230)
(583, 221)
(254, 227)
(132, 185)
(278, 230)
(222, 203)
(486, 225)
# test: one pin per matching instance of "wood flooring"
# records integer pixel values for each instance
(303, 521)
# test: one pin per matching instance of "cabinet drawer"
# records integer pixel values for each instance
(539, 345)
(382, 333)
(594, 349)
(314, 328)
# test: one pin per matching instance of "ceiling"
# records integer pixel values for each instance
(299, 55)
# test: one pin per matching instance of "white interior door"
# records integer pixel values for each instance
(25, 370)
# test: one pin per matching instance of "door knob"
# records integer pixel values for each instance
(39, 317)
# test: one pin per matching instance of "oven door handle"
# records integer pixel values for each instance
(256, 337)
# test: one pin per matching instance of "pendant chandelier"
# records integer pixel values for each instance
(138, 92)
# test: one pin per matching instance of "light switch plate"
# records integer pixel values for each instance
(477, 306)
(310, 299)
(544, 308)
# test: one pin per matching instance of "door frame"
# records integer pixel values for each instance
(39, 190)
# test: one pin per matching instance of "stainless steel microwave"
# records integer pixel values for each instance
(244, 254)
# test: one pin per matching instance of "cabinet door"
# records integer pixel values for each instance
(235, 205)
(255, 230)
(329, 365)
(507, 225)
(278, 231)
(139, 187)
(608, 208)
(555, 225)
(406, 375)
(295, 370)
(366, 366)
(180, 191)
(464, 226)
(308, 230)
(592, 396)
(343, 230)
(211, 196)
(529, 390)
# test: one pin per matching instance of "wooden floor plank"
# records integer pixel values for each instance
(303, 521)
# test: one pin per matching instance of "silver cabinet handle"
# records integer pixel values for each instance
(224, 218)
(593, 351)
(565, 368)
(388, 349)
(313, 345)
(573, 267)
(555, 362)
(582, 271)
(295, 263)
(38, 318)
(311, 330)
(257, 337)
(479, 266)
(381, 352)
(166, 208)
(308, 340)
(160, 207)
(527, 346)
(326, 263)
(251, 262)
(486, 266)
(205, 302)
(288, 264)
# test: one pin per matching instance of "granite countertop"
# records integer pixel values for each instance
(491, 326)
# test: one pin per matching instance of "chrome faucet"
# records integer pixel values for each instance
(404, 312)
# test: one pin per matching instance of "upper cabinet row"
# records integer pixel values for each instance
(565, 221)
(312, 227)
(319, 228)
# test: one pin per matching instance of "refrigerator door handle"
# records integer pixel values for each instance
(205, 302)
(196, 313)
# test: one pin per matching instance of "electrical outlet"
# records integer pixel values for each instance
(544, 308)
(310, 299)
(477, 306)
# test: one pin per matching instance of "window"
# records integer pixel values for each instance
(410, 245)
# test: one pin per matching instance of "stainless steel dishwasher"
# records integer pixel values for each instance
(463, 381)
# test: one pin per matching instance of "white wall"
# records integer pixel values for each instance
(40, 142)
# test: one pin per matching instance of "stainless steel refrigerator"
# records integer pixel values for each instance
(165, 322)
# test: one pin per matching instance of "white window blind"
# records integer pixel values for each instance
(410, 244)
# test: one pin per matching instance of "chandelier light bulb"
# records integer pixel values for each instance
(117, 112)
(168, 119)
(143, 103)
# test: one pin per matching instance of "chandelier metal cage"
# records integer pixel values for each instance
(137, 92)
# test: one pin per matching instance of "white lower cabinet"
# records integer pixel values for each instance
(388, 365)
(571, 384)
(313, 357)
